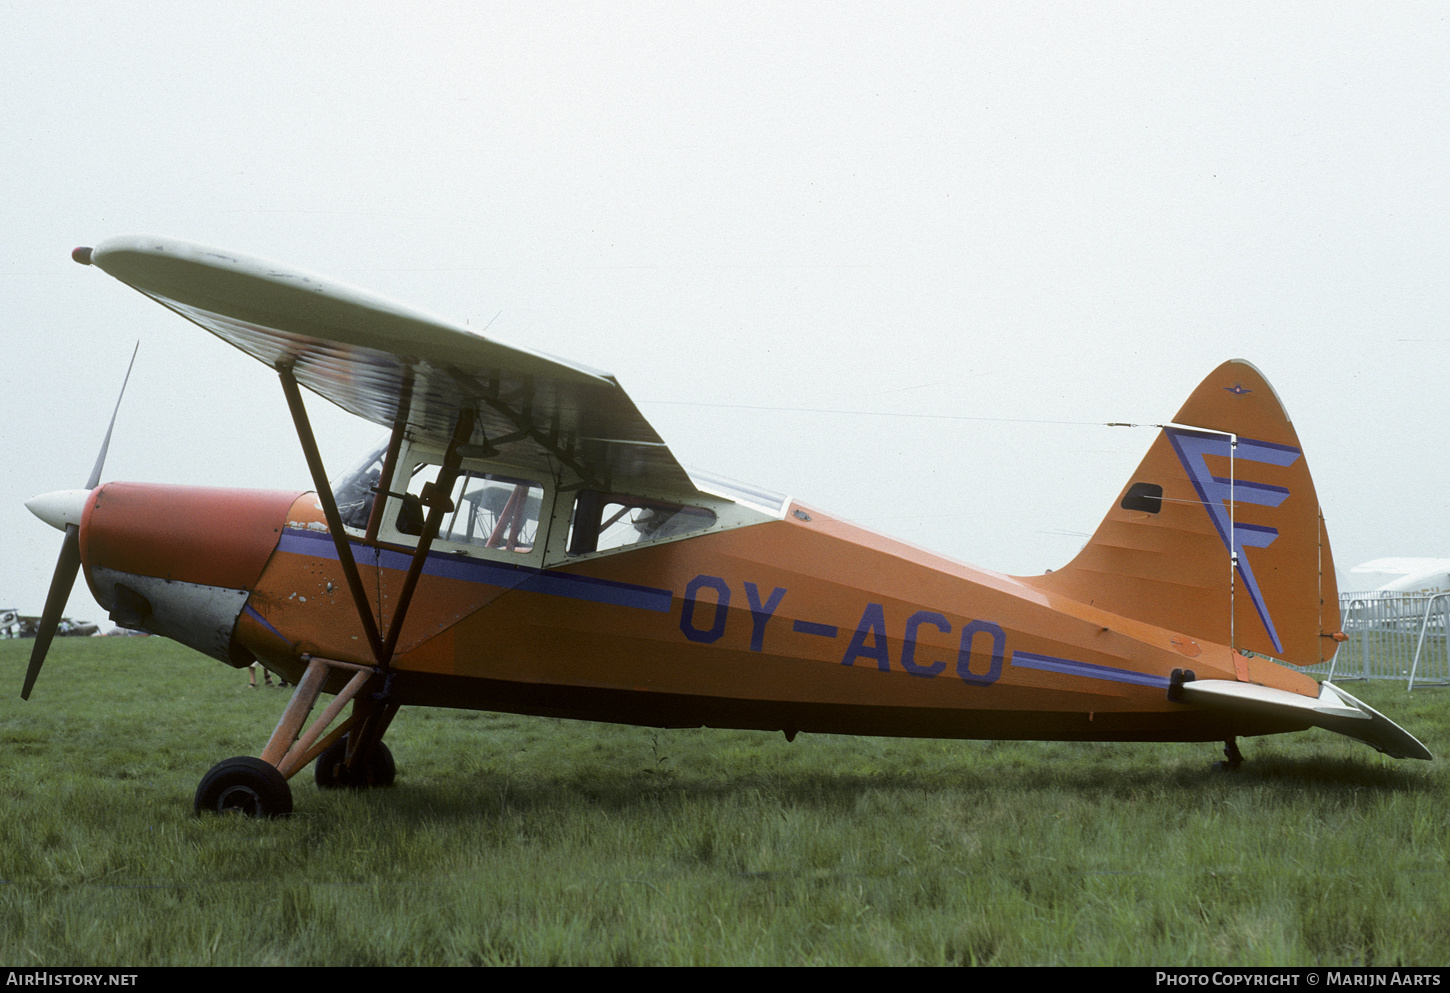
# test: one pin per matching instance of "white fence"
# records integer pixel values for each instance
(1393, 636)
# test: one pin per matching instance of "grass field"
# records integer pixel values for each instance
(516, 840)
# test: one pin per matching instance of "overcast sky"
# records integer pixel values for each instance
(872, 255)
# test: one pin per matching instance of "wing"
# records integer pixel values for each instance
(383, 362)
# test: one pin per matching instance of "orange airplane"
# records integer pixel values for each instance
(525, 542)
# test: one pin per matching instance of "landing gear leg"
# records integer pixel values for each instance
(1232, 757)
(366, 772)
(361, 760)
(257, 787)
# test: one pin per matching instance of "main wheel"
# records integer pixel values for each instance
(377, 769)
(244, 785)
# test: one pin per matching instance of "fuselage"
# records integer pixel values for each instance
(805, 623)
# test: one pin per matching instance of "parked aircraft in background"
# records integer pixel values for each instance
(13, 624)
(1400, 575)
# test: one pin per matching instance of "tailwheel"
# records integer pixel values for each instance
(1232, 757)
(245, 786)
(374, 769)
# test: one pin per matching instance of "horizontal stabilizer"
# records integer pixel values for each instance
(1334, 710)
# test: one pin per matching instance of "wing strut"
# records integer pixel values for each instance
(329, 510)
(438, 500)
(385, 480)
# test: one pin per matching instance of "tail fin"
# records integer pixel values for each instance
(1218, 535)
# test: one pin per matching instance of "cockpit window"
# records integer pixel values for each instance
(483, 509)
(354, 491)
(607, 521)
(495, 512)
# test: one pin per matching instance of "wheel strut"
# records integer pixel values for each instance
(258, 787)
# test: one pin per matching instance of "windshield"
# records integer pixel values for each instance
(354, 490)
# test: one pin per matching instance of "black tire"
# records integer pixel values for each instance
(369, 772)
(246, 786)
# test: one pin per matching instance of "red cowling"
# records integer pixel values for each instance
(196, 534)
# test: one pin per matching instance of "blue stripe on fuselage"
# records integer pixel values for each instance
(1027, 660)
(450, 565)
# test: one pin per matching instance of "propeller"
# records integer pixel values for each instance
(62, 509)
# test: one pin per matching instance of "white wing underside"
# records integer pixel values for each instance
(384, 362)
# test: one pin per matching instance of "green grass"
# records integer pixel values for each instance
(517, 840)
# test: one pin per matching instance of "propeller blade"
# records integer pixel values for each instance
(66, 568)
(69, 562)
(106, 444)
